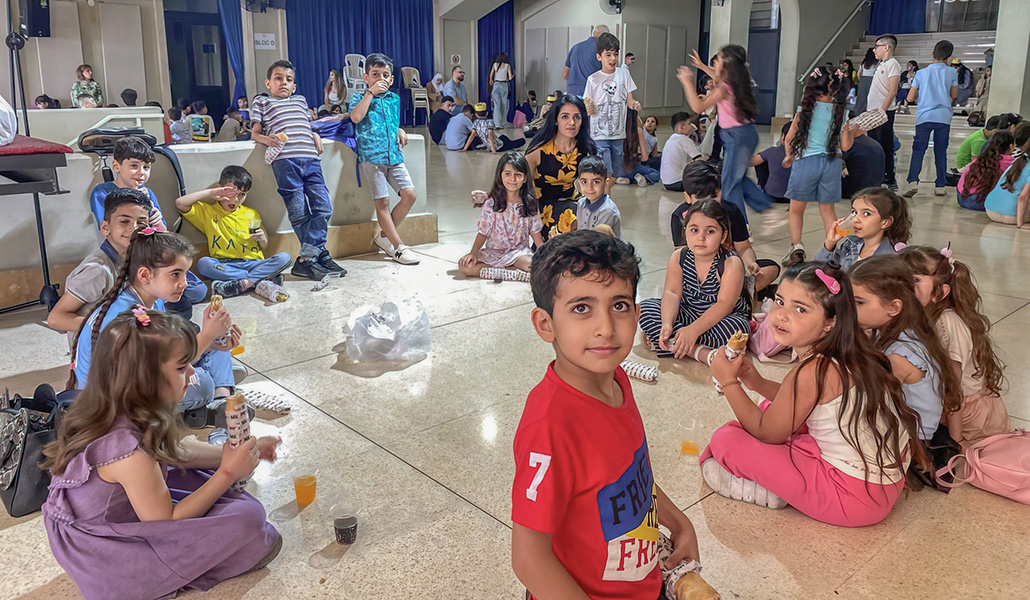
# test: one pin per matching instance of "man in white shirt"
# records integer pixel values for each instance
(679, 151)
(882, 93)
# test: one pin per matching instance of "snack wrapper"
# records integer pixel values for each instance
(682, 582)
(736, 346)
(237, 422)
(498, 274)
(640, 371)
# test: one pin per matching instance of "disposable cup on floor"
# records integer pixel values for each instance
(345, 523)
(304, 486)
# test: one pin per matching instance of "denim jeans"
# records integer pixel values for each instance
(195, 293)
(971, 201)
(611, 153)
(941, 133)
(233, 269)
(217, 364)
(652, 176)
(739, 145)
(499, 96)
(307, 201)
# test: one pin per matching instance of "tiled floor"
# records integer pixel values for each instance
(425, 450)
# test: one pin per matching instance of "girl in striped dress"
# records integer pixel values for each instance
(696, 314)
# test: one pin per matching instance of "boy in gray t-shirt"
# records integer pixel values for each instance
(596, 208)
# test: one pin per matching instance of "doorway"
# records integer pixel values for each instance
(197, 60)
(763, 54)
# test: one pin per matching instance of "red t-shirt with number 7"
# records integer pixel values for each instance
(583, 475)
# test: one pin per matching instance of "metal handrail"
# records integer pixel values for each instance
(833, 39)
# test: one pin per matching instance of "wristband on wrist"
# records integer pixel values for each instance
(732, 383)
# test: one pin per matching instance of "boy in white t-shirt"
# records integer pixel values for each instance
(608, 96)
(679, 151)
(882, 93)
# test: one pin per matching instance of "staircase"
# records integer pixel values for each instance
(969, 47)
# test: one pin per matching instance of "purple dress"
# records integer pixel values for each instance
(96, 537)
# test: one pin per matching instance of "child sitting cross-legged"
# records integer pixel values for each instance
(595, 208)
(585, 504)
(703, 303)
(880, 219)
(508, 223)
(135, 510)
(831, 440)
(235, 239)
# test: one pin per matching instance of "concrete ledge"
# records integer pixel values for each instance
(23, 285)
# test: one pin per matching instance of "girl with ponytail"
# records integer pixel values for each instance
(1008, 201)
(980, 176)
(153, 273)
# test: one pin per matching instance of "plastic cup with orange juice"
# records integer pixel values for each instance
(304, 487)
(845, 229)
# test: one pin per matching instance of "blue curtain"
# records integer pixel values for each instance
(897, 16)
(232, 29)
(496, 35)
(322, 32)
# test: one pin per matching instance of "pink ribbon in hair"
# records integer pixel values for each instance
(831, 284)
(816, 73)
(946, 253)
(900, 246)
(147, 231)
(141, 315)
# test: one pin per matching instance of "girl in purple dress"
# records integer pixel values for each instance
(130, 512)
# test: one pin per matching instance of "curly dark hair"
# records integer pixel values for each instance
(822, 83)
(985, 169)
(578, 254)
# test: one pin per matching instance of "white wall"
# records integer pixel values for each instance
(460, 37)
(1010, 75)
(660, 37)
(255, 62)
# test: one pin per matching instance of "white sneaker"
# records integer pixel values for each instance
(640, 179)
(405, 256)
(384, 244)
(622, 180)
(728, 485)
(939, 191)
(911, 189)
(796, 254)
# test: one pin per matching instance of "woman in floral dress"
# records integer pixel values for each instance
(553, 156)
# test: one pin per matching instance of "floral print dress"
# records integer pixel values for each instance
(508, 234)
(555, 187)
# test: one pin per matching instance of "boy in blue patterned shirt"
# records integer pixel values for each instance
(376, 117)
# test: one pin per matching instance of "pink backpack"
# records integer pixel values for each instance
(999, 464)
(762, 342)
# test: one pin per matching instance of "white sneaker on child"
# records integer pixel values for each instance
(405, 256)
(728, 485)
(640, 179)
(384, 244)
(622, 180)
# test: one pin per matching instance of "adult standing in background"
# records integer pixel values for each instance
(84, 85)
(501, 76)
(865, 80)
(456, 89)
(882, 94)
(629, 60)
(582, 63)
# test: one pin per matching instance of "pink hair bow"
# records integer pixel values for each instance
(831, 284)
(141, 315)
(946, 253)
(900, 246)
(816, 73)
(147, 231)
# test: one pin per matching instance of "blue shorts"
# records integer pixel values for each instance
(815, 179)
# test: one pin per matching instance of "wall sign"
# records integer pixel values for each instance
(264, 41)
(455, 59)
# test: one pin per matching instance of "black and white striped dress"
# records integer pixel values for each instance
(697, 298)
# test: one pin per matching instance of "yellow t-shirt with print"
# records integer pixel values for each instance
(228, 233)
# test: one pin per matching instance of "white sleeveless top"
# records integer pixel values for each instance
(824, 427)
(502, 73)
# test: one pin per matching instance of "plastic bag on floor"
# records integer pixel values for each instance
(395, 331)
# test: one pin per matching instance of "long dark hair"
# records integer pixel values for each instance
(631, 145)
(889, 278)
(869, 389)
(849, 72)
(820, 83)
(127, 384)
(964, 299)
(736, 74)
(1016, 168)
(870, 59)
(153, 251)
(985, 170)
(584, 143)
(499, 193)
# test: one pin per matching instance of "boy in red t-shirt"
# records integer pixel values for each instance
(585, 505)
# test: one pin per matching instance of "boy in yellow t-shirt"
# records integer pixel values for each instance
(234, 236)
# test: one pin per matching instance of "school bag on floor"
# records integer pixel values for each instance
(999, 464)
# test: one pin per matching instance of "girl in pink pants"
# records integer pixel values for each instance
(834, 440)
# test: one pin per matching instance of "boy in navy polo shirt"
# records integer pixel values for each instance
(376, 117)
